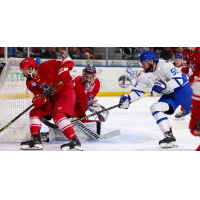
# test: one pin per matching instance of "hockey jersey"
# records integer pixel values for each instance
(84, 99)
(165, 71)
(48, 77)
(196, 99)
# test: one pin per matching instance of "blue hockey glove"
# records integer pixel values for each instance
(160, 87)
(125, 101)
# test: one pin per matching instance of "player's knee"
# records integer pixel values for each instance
(154, 107)
(57, 116)
(35, 112)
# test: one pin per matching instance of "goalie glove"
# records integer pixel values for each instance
(160, 87)
(96, 107)
(125, 101)
(39, 102)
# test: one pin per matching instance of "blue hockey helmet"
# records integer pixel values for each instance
(179, 56)
(147, 56)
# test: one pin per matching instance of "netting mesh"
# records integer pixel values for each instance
(14, 98)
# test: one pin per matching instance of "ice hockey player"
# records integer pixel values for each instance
(87, 87)
(59, 104)
(195, 111)
(193, 63)
(164, 79)
(179, 66)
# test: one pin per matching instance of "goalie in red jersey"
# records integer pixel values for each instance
(59, 104)
(195, 111)
(87, 87)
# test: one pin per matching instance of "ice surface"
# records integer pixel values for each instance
(139, 131)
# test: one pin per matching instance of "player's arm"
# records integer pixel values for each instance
(175, 80)
(66, 65)
(37, 101)
(137, 91)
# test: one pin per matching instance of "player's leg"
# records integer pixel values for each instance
(166, 105)
(35, 126)
(184, 97)
(36, 115)
(63, 110)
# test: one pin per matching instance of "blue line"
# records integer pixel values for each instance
(160, 120)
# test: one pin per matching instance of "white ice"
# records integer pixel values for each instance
(139, 131)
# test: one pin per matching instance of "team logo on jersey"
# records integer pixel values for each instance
(33, 83)
(89, 102)
(45, 88)
(191, 65)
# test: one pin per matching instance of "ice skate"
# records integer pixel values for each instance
(169, 141)
(34, 143)
(180, 116)
(73, 145)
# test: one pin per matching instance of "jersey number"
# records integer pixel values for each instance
(174, 71)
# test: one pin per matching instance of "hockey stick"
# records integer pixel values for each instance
(93, 134)
(96, 113)
(86, 130)
(110, 108)
(49, 92)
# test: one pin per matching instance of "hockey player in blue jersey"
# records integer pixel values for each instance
(164, 79)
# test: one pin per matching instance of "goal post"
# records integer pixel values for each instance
(14, 98)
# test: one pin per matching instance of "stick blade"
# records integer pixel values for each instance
(110, 135)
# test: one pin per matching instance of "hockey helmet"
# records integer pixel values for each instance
(147, 56)
(88, 76)
(28, 62)
(179, 56)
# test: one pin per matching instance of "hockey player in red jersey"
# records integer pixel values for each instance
(193, 63)
(87, 87)
(59, 104)
(195, 111)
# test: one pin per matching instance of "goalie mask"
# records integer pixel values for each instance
(88, 77)
(26, 63)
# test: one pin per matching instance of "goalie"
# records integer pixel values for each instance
(86, 87)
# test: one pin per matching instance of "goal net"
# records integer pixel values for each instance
(14, 98)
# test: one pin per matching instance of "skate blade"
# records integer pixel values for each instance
(26, 147)
(169, 145)
(68, 149)
(182, 118)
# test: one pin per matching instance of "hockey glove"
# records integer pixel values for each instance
(125, 101)
(96, 107)
(39, 102)
(195, 127)
(160, 87)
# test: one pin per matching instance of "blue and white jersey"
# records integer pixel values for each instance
(166, 72)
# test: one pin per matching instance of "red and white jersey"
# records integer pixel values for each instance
(193, 59)
(48, 77)
(84, 99)
(196, 99)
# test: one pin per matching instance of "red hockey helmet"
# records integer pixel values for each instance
(28, 62)
(88, 77)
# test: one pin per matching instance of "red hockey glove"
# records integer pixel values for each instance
(195, 127)
(185, 69)
(66, 80)
(39, 102)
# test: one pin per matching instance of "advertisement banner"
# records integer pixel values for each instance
(114, 81)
